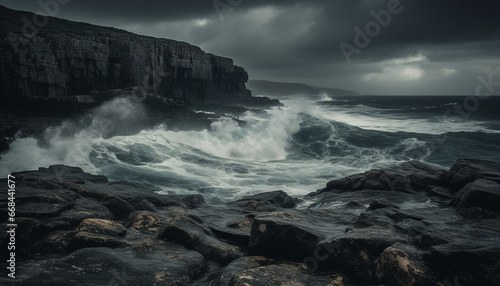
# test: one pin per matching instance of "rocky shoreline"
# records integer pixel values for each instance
(414, 224)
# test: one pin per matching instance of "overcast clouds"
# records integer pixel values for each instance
(428, 46)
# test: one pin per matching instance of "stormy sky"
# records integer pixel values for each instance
(371, 46)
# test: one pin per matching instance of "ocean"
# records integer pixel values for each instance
(297, 147)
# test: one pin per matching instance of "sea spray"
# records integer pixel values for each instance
(71, 142)
(296, 148)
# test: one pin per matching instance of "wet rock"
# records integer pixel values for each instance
(142, 204)
(42, 200)
(243, 224)
(380, 204)
(145, 222)
(193, 234)
(86, 239)
(357, 251)
(480, 199)
(367, 236)
(98, 233)
(396, 267)
(225, 276)
(470, 260)
(466, 171)
(102, 226)
(237, 237)
(282, 274)
(277, 198)
(118, 206)
(282, 236)
(53, 243)
(413, 176)
(166, 265)
(84, 208)
(65, 173)
(440, 192)
(184, 201)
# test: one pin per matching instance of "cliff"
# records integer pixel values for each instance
(64, 59)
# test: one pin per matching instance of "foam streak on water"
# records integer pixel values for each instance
(297, 148)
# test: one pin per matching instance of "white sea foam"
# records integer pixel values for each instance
(229, 161)
(371, 118)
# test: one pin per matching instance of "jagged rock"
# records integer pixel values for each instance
(84, 239)
(282, 274)
(276, 234)
(357, 251)
(259, 270)
(118, 206)
(193, 234)
(413, 176)
(103, 227)
(277, 198)
(478, 199)
(396, 267)
(367, 236)
(225, 276)
(243, 224)
(466, 171)
(146, 222)
(380, 204)
(165, 265)
(68, 174)
(84, 208)
(98, 233)
(40, 203)
(53, 243)
(472, 254)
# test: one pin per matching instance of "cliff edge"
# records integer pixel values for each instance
(64, 59)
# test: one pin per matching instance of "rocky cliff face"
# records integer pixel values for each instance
(65, 58)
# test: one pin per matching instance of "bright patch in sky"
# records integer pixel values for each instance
(201, 22)
(396, 74)
(449, 72)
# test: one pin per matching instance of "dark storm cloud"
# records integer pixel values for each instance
(420, 23)
(430, 43)
(144, 11)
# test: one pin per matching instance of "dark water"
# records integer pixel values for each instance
(296, 148)
(445, 127)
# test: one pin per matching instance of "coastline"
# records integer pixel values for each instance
(411, 224)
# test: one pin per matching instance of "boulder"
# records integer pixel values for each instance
(112, 233)
(145, 222)
(277, 198)
(479, 199)
(466, 171)
(283, 274)
(396, 267)
(277, 234)
(164, 265)
(193, 234)
(103, 227)
(413, 176)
